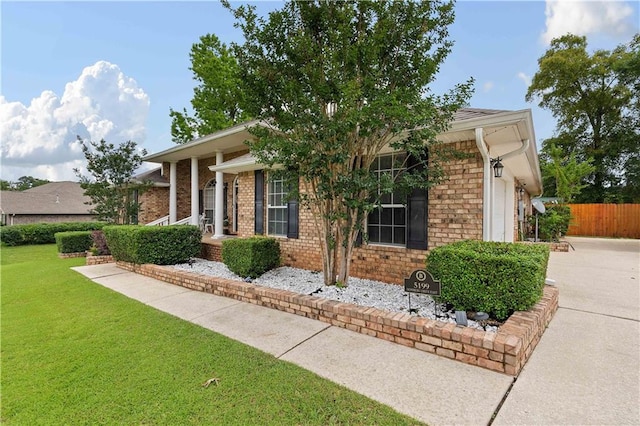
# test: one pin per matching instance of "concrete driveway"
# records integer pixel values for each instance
(586, 368)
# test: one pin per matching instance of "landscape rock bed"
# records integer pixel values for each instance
(505, 351)
(360, 291)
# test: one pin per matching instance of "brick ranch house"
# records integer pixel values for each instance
(51, 202)
(471, 204)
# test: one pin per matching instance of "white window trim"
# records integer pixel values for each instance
(279, 207)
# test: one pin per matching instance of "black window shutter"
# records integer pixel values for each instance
(417, 223)
(417, 216)
(358, 241)
(293, 215)
(200, 202)
(259, 202)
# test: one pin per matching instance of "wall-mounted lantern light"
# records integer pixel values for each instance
(497, 168)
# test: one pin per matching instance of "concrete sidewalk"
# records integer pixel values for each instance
(584, 370)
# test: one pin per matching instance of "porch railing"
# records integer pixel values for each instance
(164, 221)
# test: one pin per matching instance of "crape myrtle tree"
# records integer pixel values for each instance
(336, 82)
(596, 101)
(217, 99)
(112, 186)
(562, 174)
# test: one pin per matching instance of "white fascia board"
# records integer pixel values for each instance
(205, 139)
(236, 167)
(494, 120)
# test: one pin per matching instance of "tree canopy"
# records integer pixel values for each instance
(111, 185)
(563, 175)
(218, 97)
(338, 82)
(596, 101)
(23, 183)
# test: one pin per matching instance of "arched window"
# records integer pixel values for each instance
(209, 200)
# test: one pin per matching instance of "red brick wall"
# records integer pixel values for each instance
(455, 212)
(154, 204)
(455, 206)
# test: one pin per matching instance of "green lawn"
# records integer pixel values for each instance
(74, 352)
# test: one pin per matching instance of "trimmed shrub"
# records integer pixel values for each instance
(251, 257)
(160, 245)
(42, 233)
(99, 247)
(554, 223)
(11, 236)
(73, 241)
(492, 277)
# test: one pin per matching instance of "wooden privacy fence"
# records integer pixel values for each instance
(605, 220)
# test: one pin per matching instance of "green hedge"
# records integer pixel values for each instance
(73, 241)
(161, 245)
(251, 257)
(554, 223)
(497, 278)
(42, 233)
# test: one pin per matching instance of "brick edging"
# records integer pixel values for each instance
(99, 260)
(558, 246)
(72, 255)
(505, 351)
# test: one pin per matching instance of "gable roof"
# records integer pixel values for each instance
(154, 176)
(48, 199)
(468, 113)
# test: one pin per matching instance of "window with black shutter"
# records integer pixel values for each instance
(282, 212)
(398, 221)
(387, 224)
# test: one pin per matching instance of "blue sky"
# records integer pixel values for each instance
(113, 69)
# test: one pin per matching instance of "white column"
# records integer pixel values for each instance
(173, 193)
(219, 219)
(195, 214)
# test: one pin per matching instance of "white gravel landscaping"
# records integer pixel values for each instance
(359, 292)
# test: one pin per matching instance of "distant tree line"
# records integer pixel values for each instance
(23, 183)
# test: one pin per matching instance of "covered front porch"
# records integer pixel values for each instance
(202, 180)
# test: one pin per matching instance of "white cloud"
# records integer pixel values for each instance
(486, 87)
(584, 17)
(525, 78)
(40, 139)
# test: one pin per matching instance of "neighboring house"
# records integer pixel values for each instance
(51, 202)
(471, 204)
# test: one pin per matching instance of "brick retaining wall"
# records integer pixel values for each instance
(70, 255)
(561, 246)
(99, 260)
(505, 351)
